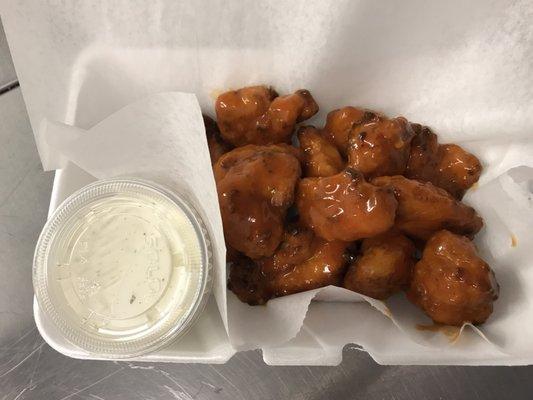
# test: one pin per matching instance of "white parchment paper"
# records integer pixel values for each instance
(464, 68)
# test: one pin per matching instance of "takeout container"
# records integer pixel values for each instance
(439, 64)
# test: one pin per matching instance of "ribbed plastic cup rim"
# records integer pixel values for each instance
(143, 345)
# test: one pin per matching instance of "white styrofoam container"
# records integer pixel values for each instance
(82, 65)
(207, 341)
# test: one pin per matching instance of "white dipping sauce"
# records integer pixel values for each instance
(126, 266)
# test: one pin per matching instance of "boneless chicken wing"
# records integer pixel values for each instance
(247, 281)
(325, 266)
(345, 207)
(451, 283)
(266, 171)
(296, 247)
(255, 187)
(383, 267)
(321, 157)
(217, 145)
(302, 262)
(424, 209)
(257, 115)
(381, 147)
(423, 162)
(458, 169)
(448, 166)
(341, 122)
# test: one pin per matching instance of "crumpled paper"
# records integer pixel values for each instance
(464, 68)
(160, 138)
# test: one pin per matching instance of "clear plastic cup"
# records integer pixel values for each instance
(123, 267)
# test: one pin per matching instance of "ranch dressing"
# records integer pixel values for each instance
(125, 264)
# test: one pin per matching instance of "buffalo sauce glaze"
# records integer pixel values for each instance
(345, 207)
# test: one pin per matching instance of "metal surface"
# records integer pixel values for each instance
(29, 369)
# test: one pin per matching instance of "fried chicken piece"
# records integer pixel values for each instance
(341, 122)
(217, 145)
(345, 207)
(324, 267)
(423, 162)
(302, 262)
(257, 115)
(251, 224)
(447, 166)
(265, 171)
(451, 283)
(384, 266)
(321, 158)
(232, 255)
(248, 283)
(458, 170)
(380, 148)
(424, 208)
(255, 188)
(295, 248)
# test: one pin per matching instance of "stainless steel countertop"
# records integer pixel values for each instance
(30, 369)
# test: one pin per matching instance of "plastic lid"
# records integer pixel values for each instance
(122, 267)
